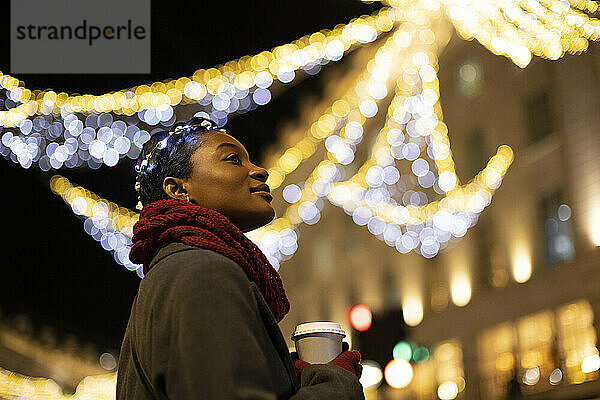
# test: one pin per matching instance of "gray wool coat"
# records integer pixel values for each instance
(199, 329)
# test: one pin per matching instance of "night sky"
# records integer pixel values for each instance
(51, 269)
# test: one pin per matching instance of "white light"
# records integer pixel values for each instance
(398, 373)
(395, 137)
(334, 143)
(447, 390)
(194, 90)
(308, 211)
(108, 361)
(79, 205)
(263, 79)
(261, 96)
(97, 149)
(378, 90)
(372, 374)
(411, 151)
(286, 74)
(590, 364)
(292, 193)
(531, 376)
(427, 73)
(334, 50)
(447, 181)
(353, 130)
(564, 212)
(100, 210)
(390, 175)
(556, 376)
(420, 167)
(111, 157)
(361, 216)
(374, 176)
(365, 33)
(400, 215)
(368, 108)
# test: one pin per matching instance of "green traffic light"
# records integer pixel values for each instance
(420, 354)
(402, 351)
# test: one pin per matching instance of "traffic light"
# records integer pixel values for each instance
(410, 352)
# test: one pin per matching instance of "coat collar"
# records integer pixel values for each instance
(167, 250)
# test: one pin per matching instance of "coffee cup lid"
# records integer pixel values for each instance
(318, 327)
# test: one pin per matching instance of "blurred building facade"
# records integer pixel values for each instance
(512, 308)
(39, 360)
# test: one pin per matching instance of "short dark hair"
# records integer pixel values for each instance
(166, 154)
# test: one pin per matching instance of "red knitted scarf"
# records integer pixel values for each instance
(166, 221)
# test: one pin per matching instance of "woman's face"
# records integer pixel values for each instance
(224, 179)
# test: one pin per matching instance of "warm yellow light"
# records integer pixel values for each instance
(594, 226)
(460, 289)
(412, 310)
(521, 265)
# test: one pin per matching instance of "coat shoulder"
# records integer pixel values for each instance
(183, 262)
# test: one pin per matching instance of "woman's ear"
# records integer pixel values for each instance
(174, 188)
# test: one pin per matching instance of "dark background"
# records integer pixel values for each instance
(51, 269)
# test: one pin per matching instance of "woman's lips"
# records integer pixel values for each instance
(264, 194)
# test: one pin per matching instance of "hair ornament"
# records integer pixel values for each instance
(192, 125)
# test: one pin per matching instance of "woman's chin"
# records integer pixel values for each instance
(259, 219)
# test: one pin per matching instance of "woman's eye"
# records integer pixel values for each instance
(235, 158)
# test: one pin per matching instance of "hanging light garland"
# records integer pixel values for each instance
(105, 221)
(218, 84)
(518, 29)
(111, 225)
(62, 138)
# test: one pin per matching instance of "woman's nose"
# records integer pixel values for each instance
(259, 173)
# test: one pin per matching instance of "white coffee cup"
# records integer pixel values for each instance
(318, 342)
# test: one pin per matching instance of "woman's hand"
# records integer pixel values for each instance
(349, 360)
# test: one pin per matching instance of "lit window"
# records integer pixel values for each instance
(577, 342)
(449, 371)
(537, 354)
(558, 235)
(497, 361)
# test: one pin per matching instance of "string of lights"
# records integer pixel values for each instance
(345, 114)
(105, 221)
(307, 202)
(218, 84)
(546, 28)
(453, 215)
(111, 225)
(62, 138)
(279, 239)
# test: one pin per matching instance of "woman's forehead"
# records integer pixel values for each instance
(214, 141)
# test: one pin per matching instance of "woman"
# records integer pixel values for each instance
(204, 322)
